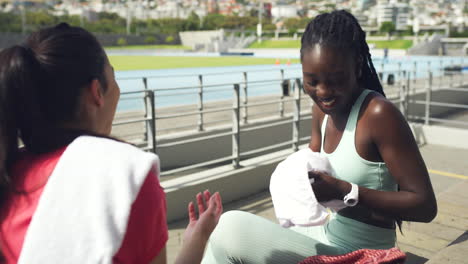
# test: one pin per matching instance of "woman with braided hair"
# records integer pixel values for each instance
(379, 172)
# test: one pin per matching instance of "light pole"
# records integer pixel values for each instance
(259, 25)
(129, 17)
(416, 30)
(81, 15)
(23, 17)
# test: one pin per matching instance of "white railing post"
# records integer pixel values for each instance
(441, 78)
(236, 128)
(461, 72)
(245, 100)
(297, 114)
(151, 121)
(428, 99)
(415, 71)
(381, 78)
(200, 103)
(402, 87)
(463, 65)
(407, 97)
(399, 74)
(429, 70)
(146, 100)
(451, 73)
(281, 104)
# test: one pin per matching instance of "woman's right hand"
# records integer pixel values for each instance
(210, 208)
(327, 187)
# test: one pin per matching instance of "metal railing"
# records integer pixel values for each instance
(408, 92)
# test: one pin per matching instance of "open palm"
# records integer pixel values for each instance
(210, 209)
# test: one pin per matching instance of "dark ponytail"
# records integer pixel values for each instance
(340, 29)
(41, 82)
(17, 69)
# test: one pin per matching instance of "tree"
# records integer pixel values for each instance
(293, 24)
(213, 21)
(170, 25)
(192, 22)
(330, 7)
(170, 39)
(237, 22)
(409, 31)
(110, 16)
(10, 22)
(121, 42)
(150, 40)
(268, 26)
(387, 27)
(40, 19)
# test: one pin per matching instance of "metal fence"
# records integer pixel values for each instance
(413, 91)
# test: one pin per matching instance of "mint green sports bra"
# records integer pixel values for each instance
(347, 163)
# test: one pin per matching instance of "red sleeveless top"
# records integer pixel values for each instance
(146, 233)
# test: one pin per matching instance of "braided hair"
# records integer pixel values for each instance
(340, 29)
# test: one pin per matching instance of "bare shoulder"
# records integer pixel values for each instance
(384, 119)
(380, 109)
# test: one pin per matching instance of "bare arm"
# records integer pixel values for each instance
(391, 134)
(192, 250)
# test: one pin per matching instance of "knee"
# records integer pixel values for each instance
(235, 217)
(232, 223)
(232, 230)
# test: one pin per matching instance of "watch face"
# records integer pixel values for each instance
(351, 202)
(351, 199)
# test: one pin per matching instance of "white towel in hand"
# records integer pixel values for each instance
(292, 194)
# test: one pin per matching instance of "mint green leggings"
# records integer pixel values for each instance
(245, 238)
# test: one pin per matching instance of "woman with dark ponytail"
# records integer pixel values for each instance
(378, 172)
(72, 194)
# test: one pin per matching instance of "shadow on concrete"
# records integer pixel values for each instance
(414, 259)
(254, 204)
(462, 238)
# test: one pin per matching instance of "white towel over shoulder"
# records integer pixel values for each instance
(83, 211)
(291, 191)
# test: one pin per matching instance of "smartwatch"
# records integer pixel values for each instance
(352, 198)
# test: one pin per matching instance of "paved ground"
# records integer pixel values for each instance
(420, 241)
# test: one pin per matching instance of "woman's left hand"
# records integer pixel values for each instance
(210, 208)
(327, 187)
